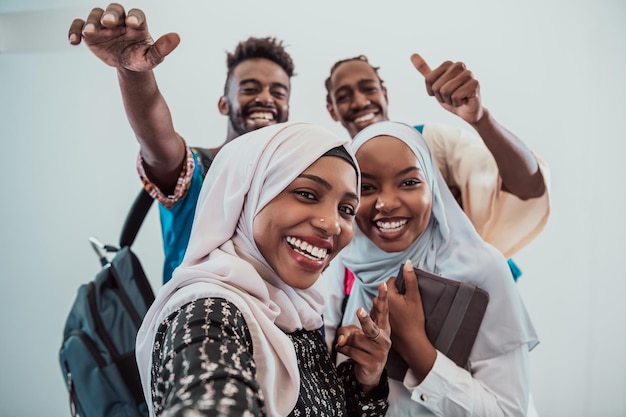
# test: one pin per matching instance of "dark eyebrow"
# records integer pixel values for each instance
(399, 174)
(353, 196)
(366, 81)
(321, 181)
(249, 80)
(257, 82)
(342, 88)
(360, 84)
(408, 170)
(281, 85)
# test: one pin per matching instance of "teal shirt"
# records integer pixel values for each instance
(176, 223)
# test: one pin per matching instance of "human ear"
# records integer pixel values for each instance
(223, 107)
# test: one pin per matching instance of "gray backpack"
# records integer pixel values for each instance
(97, 355)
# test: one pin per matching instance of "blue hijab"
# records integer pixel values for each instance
(449, 246)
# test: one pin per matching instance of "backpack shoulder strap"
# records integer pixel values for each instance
(134, 218)
(143, 202)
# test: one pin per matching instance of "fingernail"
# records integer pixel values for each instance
(89, 27)
(362, 312)
(408, 265)
(133, 20)
(385, 286)
(108, 17)
(73, 38)
(340, 339)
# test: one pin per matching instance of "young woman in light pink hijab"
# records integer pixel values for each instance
(236, 331)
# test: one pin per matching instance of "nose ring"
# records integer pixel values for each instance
(322, 220)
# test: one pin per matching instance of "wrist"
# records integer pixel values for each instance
(421, 358)
(367, 381)
(129, 74)
(374, 385)
(483, 120)
(367, 388)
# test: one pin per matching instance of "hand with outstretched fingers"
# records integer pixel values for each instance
(369, 344)
(121, 39)
(454, 87)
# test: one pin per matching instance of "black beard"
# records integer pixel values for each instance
(237, 127)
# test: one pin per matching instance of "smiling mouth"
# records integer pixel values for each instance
(266, 116)
(307, 250)
(391, 227)
(365, 118)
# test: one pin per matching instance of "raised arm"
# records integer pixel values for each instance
(456, 89)
(122, 40)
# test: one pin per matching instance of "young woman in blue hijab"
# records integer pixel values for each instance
(407, 216)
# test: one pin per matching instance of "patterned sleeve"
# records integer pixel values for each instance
(359, 403)
(202, 360)
(182, 184)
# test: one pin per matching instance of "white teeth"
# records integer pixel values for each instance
(390, 227)
(306, 249)
(365, 118)
(261, 115)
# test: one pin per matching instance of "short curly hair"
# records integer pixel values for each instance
(361, 58)
(268, 47)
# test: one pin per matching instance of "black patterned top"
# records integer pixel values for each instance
(202, 361)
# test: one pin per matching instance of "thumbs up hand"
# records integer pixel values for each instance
(454, 87)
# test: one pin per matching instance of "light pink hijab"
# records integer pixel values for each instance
(222, 259)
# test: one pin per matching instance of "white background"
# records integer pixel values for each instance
(553, 72)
